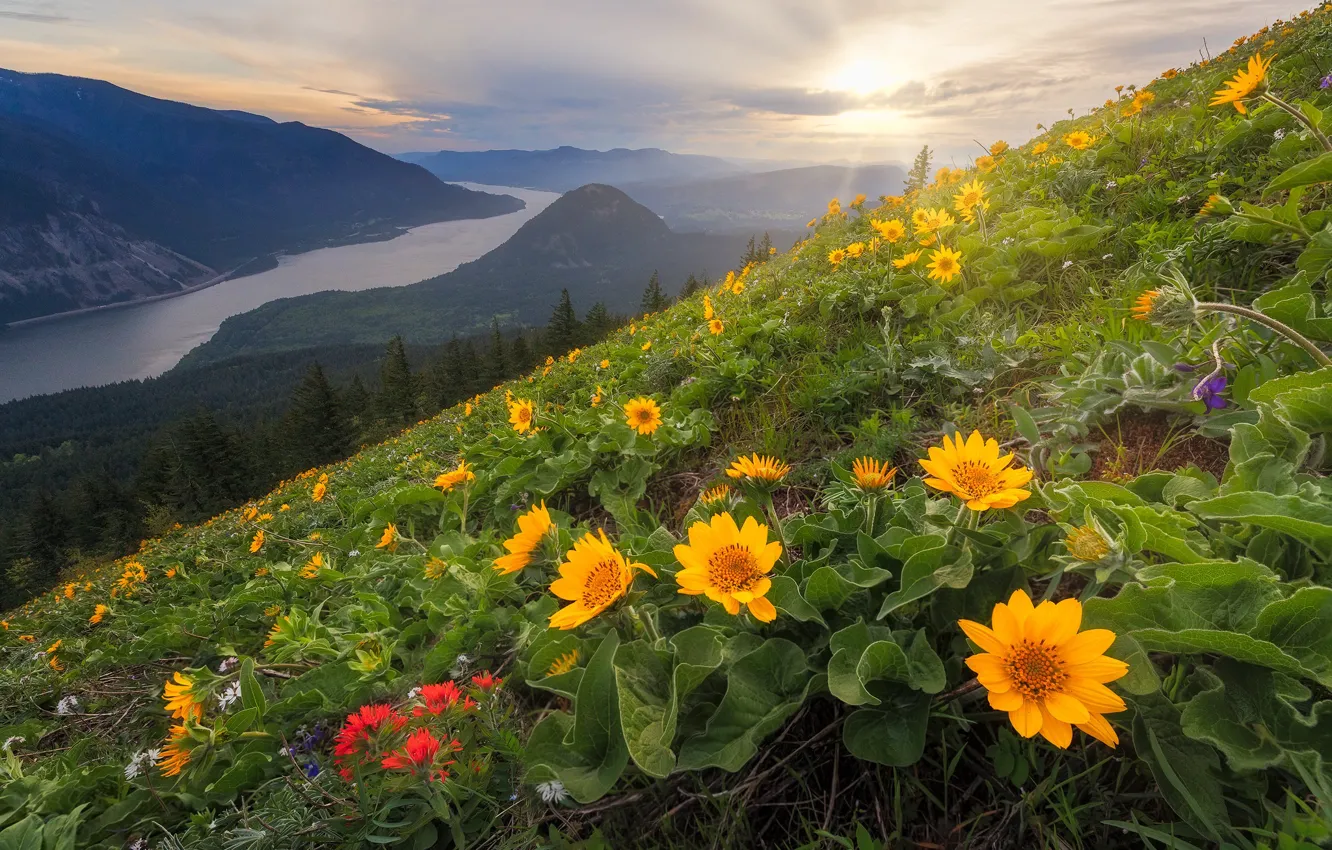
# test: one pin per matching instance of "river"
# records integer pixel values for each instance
(145, 340)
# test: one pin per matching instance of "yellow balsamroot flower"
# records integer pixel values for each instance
(716, 495)
(871, 474)
(834, 207)
(945, 264)
(985, 164)
(596, 397)
(758, 467)
(1079, 140)
(566, 662)
(892, 230)
(975, 472)
(532, 529)
(1086, 544)
(318, 493)
(605, 364)
(55, 646)
(435, 568)
(176, 754)
(258, 542)
(54, 664)
(837, 256)
(812, 222)
(1046, 674)
(1040, 148)
(972, 194)
(707, 309)
(999, 148)
(467, 409)
(313, 566)
(906, 260)
(180, 699)
(643, 415)
(729, 565)
(99, 613)
(855, 249)
(647, 346)
(1247, 82)
(1142, 308)
(521, 412)
(389, 539)
(462, 475)
(594, 574)
(715, 327)
(859, 199)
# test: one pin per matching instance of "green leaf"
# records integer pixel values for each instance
(585, 751)
(894, 733)
(242, 720)
(24, 835)
(785, 595)
(1306, 521)
(763, 688)
(62, 831)
(1185, 770)
(863, 654)
(245, 773)
(1026, 426)
(643, 684)
(930, 565)
(252, 696)
(1302, 626)
(1306, 173)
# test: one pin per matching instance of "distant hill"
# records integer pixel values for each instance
(595, 241)
(110, 196)
(776, 200)
(566, 168)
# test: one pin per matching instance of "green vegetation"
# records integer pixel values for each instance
(1117, 638)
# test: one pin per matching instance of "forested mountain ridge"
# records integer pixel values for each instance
(96, 175)
(595, 241)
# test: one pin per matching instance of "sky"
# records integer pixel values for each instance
(792, 80)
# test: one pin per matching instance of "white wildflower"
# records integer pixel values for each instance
(1110, 184)
(413, 693)
(1067, 263)
(353, 553)
(552, 791)
(1107, 256)
(1279, 135)
(228, 696)
(12, 740)
(67, 705)
(227, 665)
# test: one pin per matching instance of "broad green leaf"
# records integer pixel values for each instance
(1185, 770)
(585, 751)
(252, 696)
(546, 650)
(932, 564)
(830, 586)
(785, 595)
(1316, 258)
(1306, 521)
(1302, 626)
(763, 688)
(863, 654)
(643, 683)
(246, 773)
(892, 734)
(1217, 595)
(62, 831)
(1306, 173)
(24, 835)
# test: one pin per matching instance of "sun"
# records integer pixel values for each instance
(862, 75)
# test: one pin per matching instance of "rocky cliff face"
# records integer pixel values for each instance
(67, 261)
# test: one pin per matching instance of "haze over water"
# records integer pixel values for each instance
(145, 340)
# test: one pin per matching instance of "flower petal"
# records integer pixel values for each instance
(1100, 729)
(983, 637)
(1064, 707)
(1085, 646)
(1027, 720)
(1005, 700)
(763, 610)
(1055, 730)
(1096, 697)
(1099, 669)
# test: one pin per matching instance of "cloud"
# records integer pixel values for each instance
(776, 78)
(35, 17)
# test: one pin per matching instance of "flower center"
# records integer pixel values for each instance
(977, 479)
(524, 415)
(645, 416)
(1035, 669)
(733, 568)
(603, 585)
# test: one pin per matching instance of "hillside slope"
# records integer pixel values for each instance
(1114, 635)
(594, 241)
(98, 175)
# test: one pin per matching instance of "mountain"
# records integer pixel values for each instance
(772, 199)
(566, 168)
(594, 241)
(111, 195)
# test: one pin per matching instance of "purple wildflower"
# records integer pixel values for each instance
(312, 770)
(1326, 82)
(1185, 367)
(1209, 390)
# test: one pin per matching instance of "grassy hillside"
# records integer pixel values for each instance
(1101, 621)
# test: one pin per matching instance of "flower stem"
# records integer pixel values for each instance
(648, 626)
(1280, 327)
(1301, 117)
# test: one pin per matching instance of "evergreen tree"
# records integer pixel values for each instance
(497, 361)
(563, 330)
(757, 252)
(316, 429)
(41, 539)
(471, 378)
(691, 285)
(522, 354)
(356, 402)
(442, 378)
(598, 323)
(397, 389)
(654, 300)
(919, 174)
